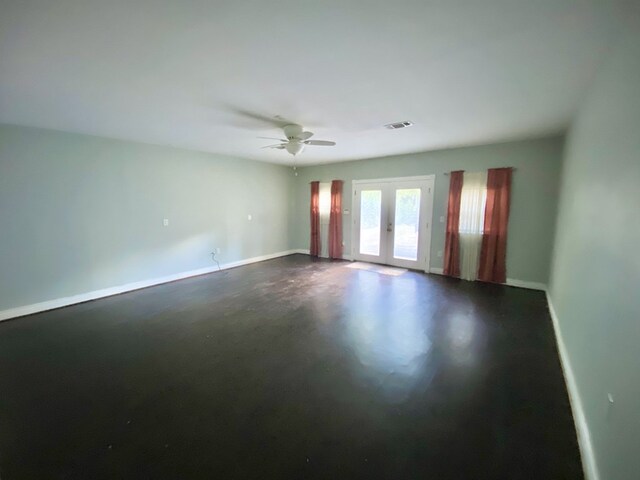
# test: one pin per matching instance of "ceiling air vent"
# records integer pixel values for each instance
(395, 126)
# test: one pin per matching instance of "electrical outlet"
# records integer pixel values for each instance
(441, 219)
(439, 253)
(249, 217)
(165, 222)
(218, 250)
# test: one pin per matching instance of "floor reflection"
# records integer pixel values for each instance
(386, 331)
(461, 330)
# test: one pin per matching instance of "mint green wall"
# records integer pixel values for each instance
(595, 280)
(81, 213)
(533, 202)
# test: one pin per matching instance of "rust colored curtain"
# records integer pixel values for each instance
(452, 238)
(493, 254)
(314, 248)
(335, 220)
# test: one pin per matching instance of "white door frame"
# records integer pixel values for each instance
(425, 261)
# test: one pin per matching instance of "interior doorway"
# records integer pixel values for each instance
(392, 221)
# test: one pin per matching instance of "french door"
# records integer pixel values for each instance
(392, 221)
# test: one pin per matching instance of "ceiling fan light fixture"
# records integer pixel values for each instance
(294, 148)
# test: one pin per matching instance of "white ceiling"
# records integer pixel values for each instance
(200, 74)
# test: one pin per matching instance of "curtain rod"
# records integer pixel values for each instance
(512, 168)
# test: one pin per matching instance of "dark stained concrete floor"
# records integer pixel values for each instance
(289, 369)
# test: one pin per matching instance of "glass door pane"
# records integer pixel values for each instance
(407, 224)
(370, 213)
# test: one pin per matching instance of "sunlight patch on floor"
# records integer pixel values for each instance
(372, 267)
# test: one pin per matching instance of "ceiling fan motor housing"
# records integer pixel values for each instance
(292, 131)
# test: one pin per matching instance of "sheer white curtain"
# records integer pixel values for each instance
(474, 199)
(325, 209)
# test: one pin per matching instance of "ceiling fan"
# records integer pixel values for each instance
(296, 140)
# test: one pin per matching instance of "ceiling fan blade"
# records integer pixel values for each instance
(279, 146)
(324, 143)
(272, 138)
(276, 121)
(305, 135)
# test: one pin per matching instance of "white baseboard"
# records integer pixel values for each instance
(582, 428)
(306, 252)
(107, 292)
(512, 282)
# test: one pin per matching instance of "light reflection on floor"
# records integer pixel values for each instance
(387, 329)
(387, 335)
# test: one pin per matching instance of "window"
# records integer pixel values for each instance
(325, 201)
(472, 203)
